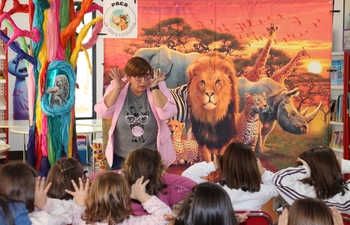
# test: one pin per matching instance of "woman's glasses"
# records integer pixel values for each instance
(147, 77)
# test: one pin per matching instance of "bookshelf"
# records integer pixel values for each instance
(346, 91)
(3, 93)
(336, 117)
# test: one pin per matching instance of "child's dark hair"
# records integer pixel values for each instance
(148, 163)
(208, 204)
(326, 177)
(17, 180)
(61, 174)
(310, 211)
(239, 169)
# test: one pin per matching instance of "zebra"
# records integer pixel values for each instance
(179, 95)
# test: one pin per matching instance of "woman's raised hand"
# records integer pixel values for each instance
(157, 77)
(80, 192)
(117, 76)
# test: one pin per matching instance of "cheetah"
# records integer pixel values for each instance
(248, 121)
(186, 150)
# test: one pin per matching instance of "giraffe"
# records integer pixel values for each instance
(258, 69)
(283, 73)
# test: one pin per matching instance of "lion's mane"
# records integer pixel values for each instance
(213, 99)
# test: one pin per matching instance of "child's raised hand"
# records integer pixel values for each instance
(170, 217)
(304, 163)
(40, 197)
(283, 218)
(260, 167)
(242, 217)
(80, 192)
(138, 190)
(337, 217)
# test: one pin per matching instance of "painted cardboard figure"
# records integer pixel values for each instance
(20, 90)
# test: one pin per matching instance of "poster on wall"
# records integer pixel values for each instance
(264, 64)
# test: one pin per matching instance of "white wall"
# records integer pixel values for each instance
(337, 45)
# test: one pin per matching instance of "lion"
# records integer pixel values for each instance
(213, 101)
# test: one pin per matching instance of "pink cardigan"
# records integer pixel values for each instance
(164, 141)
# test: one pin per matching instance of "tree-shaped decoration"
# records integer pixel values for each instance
(52, 60)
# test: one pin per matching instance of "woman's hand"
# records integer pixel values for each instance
(116, 75)
(138, 190)
(157, 77)
(80, 192)
(40, 196)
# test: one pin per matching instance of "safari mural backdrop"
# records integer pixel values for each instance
(249, 71)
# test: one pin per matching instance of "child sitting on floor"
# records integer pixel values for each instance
(109, 202)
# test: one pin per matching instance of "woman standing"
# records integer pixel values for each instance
(138, 107)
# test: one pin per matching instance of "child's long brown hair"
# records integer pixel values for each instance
(61, 174)
(326, 177)
(108, 199)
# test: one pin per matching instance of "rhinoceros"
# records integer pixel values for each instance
(282, 110)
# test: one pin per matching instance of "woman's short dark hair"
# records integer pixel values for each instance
(208, 204)
(326, 177)
(148, 163)
(239, 168)
(309, 211)
(137, 66)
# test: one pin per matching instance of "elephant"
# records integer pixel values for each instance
(171, 62)
(282, 110)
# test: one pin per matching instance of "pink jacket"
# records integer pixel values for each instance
(164, 141)
(178, 187)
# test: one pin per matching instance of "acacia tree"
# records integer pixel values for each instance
(175, 32)
(312, 90)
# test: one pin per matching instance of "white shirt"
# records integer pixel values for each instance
(290, 187)
(241, 200)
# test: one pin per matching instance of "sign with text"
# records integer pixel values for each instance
(120, 19)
